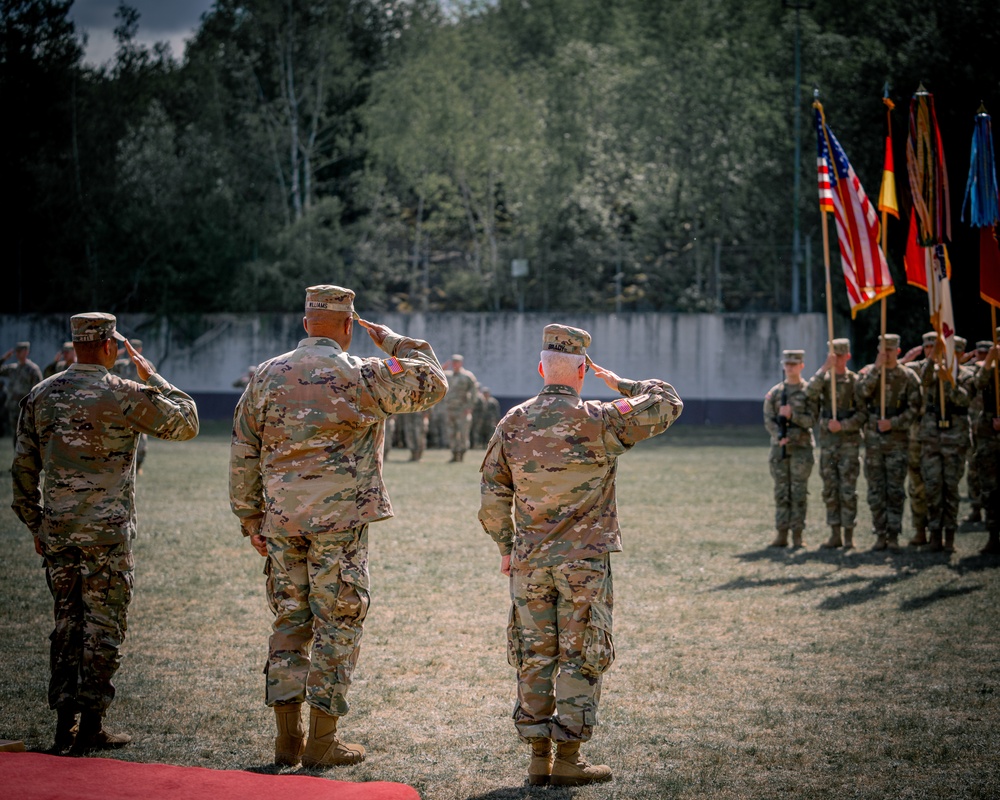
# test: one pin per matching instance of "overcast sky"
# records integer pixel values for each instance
(159, 20)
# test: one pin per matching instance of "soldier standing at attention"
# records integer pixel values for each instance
(305, 481)
(839, 442)
(887, 439)
(988, 449)
(462, 391)
(789, 416)
(553, 461)
(975, 413)
(21, 377)
(415, 433)
(918, 499)
(81, 427)
(944, 440)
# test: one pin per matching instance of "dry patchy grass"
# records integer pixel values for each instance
(742, 672)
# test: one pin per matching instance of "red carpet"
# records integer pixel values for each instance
(36, 776)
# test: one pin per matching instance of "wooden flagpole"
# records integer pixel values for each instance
(885, 236)
(829, 311)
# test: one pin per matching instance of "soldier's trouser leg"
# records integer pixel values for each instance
(460, 425)
(932, 471)
(895, 491)
(953, 461)
(91, 589)
(802, 467)
(918, 501)
(781, 473)
(140, 451)
(875, 474)
(839, 467)
(318, 589)
(988, 462)
(561, 643)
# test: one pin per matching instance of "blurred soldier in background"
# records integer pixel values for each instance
(552, 462)
(65, 357)
(305, 481)
(21, 377)
(839, 442)
(485, 417)
(462, 390)
(789, 416)
(988, 449)
(887, 439)
(918, 500)
(415, 432)
(975, 515)
(81, 427)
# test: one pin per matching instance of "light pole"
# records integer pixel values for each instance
(798, 6)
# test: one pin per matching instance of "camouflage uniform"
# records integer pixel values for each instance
(915, 483)
(415, 433)
(975, 414)
(792, 464)
(125, 367)
(840, 453)
(886, 454)
(988, 456)
(944, 440)
(61, 362)
(20, 380)
(81, 427)
(553, 461)
(485, 417)
(306, 473)
(462, 391)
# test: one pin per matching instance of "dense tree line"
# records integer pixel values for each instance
(638, 155)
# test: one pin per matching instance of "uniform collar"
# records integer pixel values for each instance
(320, 341)
(78, 367)
(559, 388)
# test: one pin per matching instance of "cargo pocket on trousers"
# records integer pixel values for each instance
(121, 579)
(598, 644)
(515, 642)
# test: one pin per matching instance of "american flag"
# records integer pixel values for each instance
(866, 272)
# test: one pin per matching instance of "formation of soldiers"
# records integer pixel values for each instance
(915, 420)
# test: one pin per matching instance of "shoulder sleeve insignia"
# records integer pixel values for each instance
(623, 405)
(393, 365)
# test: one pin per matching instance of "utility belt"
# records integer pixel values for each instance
(876, 410)
(841, 415)
(945, 422)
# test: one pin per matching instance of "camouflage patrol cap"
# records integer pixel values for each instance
(457, 357)
(136, 343)
(565, 339)
(94, 326)
(929, 338)
(960, 344)
(67, 346)
(841, 347)
(889, 341)
(983, 345)
(329, 298)
(22, 346)
(793, 356)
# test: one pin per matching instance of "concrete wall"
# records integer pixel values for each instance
(720, 364)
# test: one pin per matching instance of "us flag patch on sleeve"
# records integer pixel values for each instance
(393, 365)
(623, 406)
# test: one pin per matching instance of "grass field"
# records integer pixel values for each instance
(742, 672)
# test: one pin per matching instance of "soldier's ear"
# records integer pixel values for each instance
(540, 370)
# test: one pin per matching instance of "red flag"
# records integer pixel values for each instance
(916, 258)
(989, 266)
(887, 194)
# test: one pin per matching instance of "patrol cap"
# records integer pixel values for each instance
(929, 338)
(457, 357)
(841, 347)
(960, 344)
(983, 345)
(565, 339)
(94, 326)
(793, 356)
(329, 298)
(22, 346)
(136, 343)
(890, 341)
(67, 346)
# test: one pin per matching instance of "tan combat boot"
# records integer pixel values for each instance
(540, 767)
(797, 539)
(323, 748)
(834, 541)
(892, 542)
(781, 540)
(66, 730)
(992, 544)
(848, 538)
(949, 541)
(920, 538)
(291, 738)
(935, 542)
(880, 542)
(93, 736)
(572, 769)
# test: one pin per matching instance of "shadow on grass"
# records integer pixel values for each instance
(528, 793)
(858, 589)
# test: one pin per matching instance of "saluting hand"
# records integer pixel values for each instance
(376, 331)
(143, 367)
(605, 375)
